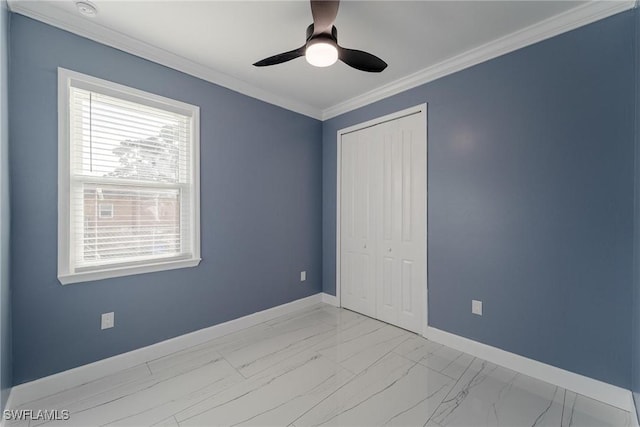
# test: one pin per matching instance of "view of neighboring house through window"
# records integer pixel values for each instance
(105, 210)
(131, 165)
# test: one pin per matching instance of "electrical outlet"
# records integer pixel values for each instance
(303, 276)
(476, 307)
(107, 320)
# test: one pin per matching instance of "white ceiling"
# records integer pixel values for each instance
(219, 40)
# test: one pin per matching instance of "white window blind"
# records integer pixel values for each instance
(132, 193)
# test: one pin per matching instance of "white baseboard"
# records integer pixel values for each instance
(55, 383)
(595, 389)
(330, 299)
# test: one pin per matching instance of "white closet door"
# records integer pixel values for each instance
(357, 228)
(401, 248)
(383, 219)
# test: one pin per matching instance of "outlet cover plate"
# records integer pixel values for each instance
(476, 307)
(107, 320)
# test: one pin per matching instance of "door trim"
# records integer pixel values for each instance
(418, 109)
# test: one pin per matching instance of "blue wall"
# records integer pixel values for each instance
(5, 296)
(261, 212)
(531, 198)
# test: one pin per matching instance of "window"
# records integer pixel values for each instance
(128, 193)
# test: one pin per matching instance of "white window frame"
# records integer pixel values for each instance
(66, 273)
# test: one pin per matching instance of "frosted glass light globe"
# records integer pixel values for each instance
(321, 54)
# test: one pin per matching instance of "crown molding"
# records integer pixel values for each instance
(553, 26)
(550, 27)
(59, 18)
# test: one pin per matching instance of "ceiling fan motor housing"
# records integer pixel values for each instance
(333, 36)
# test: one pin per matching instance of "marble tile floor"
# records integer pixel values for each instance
(323, 366)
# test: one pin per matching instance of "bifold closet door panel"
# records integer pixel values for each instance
(357, 243)
(401, 254)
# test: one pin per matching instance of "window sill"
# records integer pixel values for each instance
(89, 276)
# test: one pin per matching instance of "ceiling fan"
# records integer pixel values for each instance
(322, 49)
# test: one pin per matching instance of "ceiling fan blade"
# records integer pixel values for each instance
(360, 60)
(324, 15)
(281, 57)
